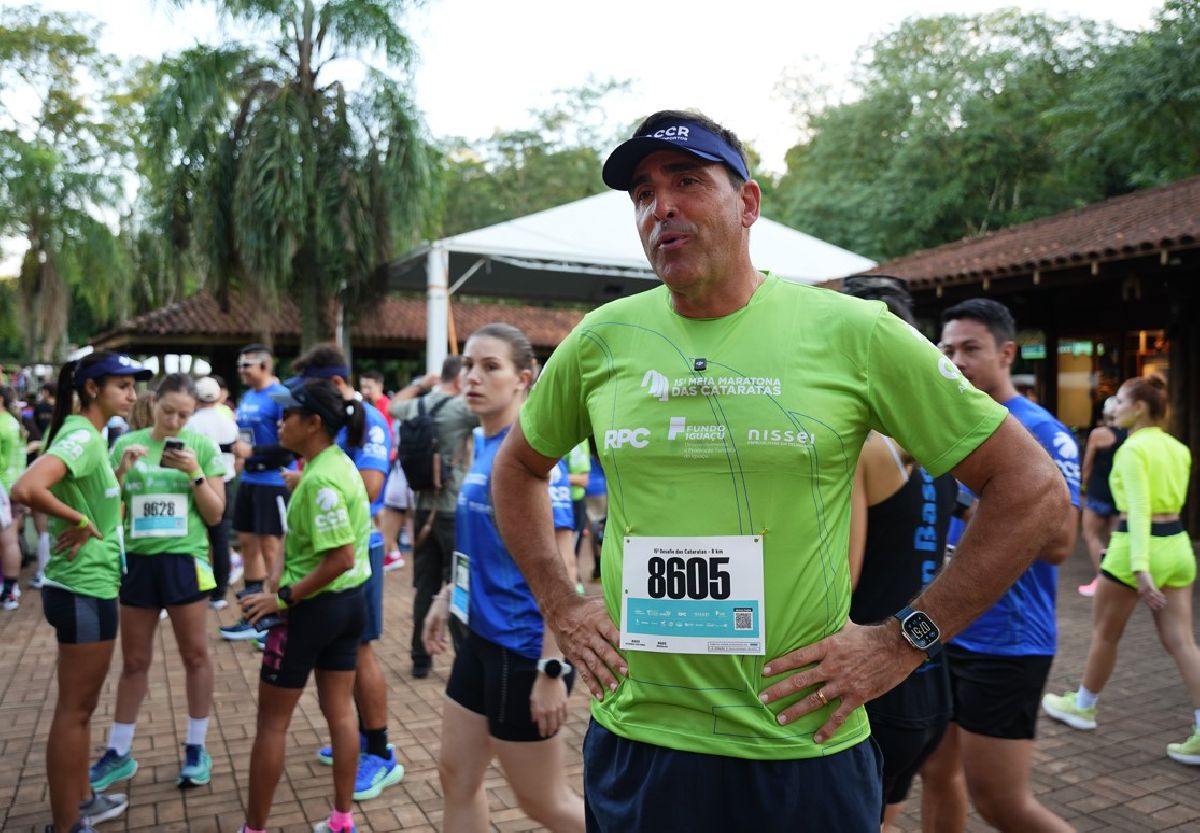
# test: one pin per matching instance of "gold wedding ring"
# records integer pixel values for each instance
(821, 696)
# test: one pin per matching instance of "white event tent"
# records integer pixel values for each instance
(586, 251)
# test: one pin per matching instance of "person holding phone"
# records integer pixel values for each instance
(74, 485)
(171, 485)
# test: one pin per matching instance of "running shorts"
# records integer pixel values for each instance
(165, 580)
(320, 633)
(79, 619)
(1103, 508)
(372, 590)
(491, 680)
(395, 490)
(643, 788)
(1172, 560)
(904, 750)
(256, 509)
(997, 696)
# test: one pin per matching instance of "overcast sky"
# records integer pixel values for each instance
(484, 64)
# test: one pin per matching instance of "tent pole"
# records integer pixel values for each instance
(437, 269)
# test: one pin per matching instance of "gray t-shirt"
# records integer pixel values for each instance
(454, 424)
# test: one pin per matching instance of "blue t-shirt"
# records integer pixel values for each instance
(1022, 622)
(596, 485)
(560, 495)
(375, 454)
(501, 607)
(258, 424)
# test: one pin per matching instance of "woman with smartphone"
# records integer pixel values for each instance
(172, 489)
(73, 485)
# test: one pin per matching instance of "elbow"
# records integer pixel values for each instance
(21, 493)
(345, 560)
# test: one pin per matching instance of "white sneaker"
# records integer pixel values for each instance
(218, 604)
(12, 601)
(235, 568)
(38, 580)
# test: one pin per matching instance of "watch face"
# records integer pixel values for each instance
(920, 629)
(552, 668)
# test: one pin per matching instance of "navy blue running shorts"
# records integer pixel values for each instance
(165, 580)
(79, 619)
(256, 509)
(633, 787)
(372, 590)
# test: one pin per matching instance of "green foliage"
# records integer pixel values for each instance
(964, 124)
(518, 172)
(265, 176)
(59, 177)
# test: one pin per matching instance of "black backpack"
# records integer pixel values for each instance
(419, 453)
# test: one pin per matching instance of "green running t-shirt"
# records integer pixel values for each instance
(91, 488)
(329, 509)
(160, 512)
(746, 424)
(12, 450)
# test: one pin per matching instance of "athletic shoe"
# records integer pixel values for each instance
(235, 568)
(112, 768)
(241, 631)
(323, 827)
(82, 827)
(1088, 590)
(375, 773)
(12, 599)
(394, 560)
(420, 670)
(101, 807)
(1187, 752)
(217, 604)
(1062, 707)
(162, 614)
(260, 642)
(38, 580)
(325, 753)
(197, 767)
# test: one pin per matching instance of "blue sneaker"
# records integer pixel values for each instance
(110, 769)
(325, 753)
(197, 767)
(242, 630)
(102, 807)
(374, 774)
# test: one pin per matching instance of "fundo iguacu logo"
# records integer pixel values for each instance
(679, 429)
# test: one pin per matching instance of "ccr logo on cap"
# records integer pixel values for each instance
(675, 131)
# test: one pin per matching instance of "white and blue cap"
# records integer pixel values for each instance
(679, 134)
(112, 365)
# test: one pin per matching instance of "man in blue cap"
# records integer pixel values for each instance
(729, 408)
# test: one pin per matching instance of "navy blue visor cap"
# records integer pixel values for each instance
(688, 136)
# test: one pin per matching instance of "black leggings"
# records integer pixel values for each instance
(218, 541)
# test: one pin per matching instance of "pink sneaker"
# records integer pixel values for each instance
(393, 561)
(1088, 590)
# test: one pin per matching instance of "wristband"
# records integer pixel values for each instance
(83, 522)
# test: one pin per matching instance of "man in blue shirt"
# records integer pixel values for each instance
(377, 765)
(999, 663)
(261, 495)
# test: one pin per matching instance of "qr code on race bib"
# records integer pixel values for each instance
(743, 619)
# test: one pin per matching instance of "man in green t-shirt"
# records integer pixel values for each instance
(729, 408)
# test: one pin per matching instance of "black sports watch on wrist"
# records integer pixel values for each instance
(553, 668)
(285, 594)
(920, 631)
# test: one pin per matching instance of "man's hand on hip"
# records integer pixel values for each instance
(852, 666)
(588, 638)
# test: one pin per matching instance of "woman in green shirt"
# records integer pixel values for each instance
(12, 463)
(74, 485)
(325, 562)
(1149, 558)
(172, 488)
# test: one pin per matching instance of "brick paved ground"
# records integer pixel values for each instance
(1115, 779)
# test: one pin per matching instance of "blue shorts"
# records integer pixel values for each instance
(78, 619)
(372, 590)
(165, 580)
(632, 787)
(1103, 508)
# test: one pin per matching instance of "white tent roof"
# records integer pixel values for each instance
(589, 250)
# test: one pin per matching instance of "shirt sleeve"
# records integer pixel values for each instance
(919, 398)
(331, 526)
(1135, 477)
(1060, 444)
(82, 451)
(554, 418)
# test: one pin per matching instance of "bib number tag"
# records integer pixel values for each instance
(693, 595)
(158, 516)
(460, 595)
(246, 435)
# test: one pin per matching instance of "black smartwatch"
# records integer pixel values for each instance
(553, 668)
(285, 594)
(920, 631)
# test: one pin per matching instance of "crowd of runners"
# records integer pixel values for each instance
(831, 564)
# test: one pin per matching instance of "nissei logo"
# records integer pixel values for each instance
(779, 436)
(621, 437)
(657, 385)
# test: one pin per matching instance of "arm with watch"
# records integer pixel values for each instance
(1022, 499)
(333, 563)
(209, 495)
(549, 696)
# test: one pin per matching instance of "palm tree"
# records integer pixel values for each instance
(287, 183)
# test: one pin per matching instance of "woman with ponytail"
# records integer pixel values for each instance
(1149, 558)
(74, 485)
(316, 616)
